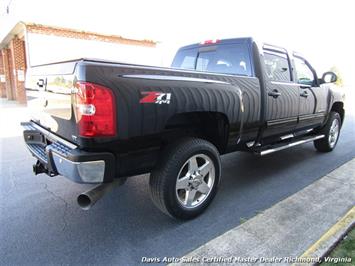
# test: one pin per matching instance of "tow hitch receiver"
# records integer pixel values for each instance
(39, 168)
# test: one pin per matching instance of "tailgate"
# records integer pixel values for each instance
(49, 90)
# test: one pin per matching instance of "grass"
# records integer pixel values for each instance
(346, 248)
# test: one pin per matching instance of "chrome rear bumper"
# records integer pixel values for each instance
(58, 156)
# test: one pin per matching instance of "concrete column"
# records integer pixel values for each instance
(2, 77)
(18, 60)
(8, 73)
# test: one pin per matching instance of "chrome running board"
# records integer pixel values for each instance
(289, 136)
(289, 145)
(251, 144)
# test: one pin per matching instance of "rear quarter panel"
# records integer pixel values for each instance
(238, 98)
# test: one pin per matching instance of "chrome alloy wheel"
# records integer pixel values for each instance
(195, 181)
(333, 133)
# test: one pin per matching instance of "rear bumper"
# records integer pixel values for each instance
(58, 156)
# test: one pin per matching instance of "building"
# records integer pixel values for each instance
(29, 44)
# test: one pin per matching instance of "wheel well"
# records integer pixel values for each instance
(339, 108)
(211, 126)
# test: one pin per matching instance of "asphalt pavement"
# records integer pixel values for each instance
(40, 222)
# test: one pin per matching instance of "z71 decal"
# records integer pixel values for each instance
(155, 97)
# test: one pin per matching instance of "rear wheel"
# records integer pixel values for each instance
(331, 132)
(185, 181)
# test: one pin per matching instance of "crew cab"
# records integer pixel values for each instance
(95, 121)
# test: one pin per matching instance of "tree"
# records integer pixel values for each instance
(339, 81)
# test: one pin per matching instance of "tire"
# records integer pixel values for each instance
(331, 131)
(185, 181)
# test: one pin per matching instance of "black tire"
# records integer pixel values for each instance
(328, 143)
(163, 179)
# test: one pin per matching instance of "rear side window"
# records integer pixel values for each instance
(277, 66)
(224, 58)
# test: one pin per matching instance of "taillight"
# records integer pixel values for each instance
(96, 110)
(210, 41)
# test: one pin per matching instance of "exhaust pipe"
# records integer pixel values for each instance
(87, 199)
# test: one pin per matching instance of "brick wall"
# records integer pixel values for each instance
(18, 60)
(6, 62)
(13, 67)
(13, 57)
(2, 78)
(69, 33)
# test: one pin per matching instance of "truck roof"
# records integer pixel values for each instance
(219, 41)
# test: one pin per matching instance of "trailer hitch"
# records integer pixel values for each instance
(39, 168)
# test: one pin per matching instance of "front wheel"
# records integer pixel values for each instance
(184, 183)
(331, 132)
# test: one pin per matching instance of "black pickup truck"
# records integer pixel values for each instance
(98, 122)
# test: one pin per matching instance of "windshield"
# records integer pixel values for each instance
(223, 58)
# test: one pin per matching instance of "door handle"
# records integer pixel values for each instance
(275, 93)
(305, 86)
(304, 94)
(40, 83)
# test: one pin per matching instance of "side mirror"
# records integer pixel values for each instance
(329, 77)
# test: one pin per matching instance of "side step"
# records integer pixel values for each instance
(283, 146)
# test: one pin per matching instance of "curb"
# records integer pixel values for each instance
(310, 222)
(330, 239)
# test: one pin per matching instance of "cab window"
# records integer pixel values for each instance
(277, 66)
(223, 58)
(304, 73)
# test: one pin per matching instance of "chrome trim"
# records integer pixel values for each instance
(284, 83)
(52, 136)
(73, 171)
(250, 144)
(57, 157)
(279, 49)
(297, 54)
(174, 78)
(175, 69)
(63, 158)
(262, 153)
(281, 121)
(311, 116)
(196, 184)
(287, 136)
